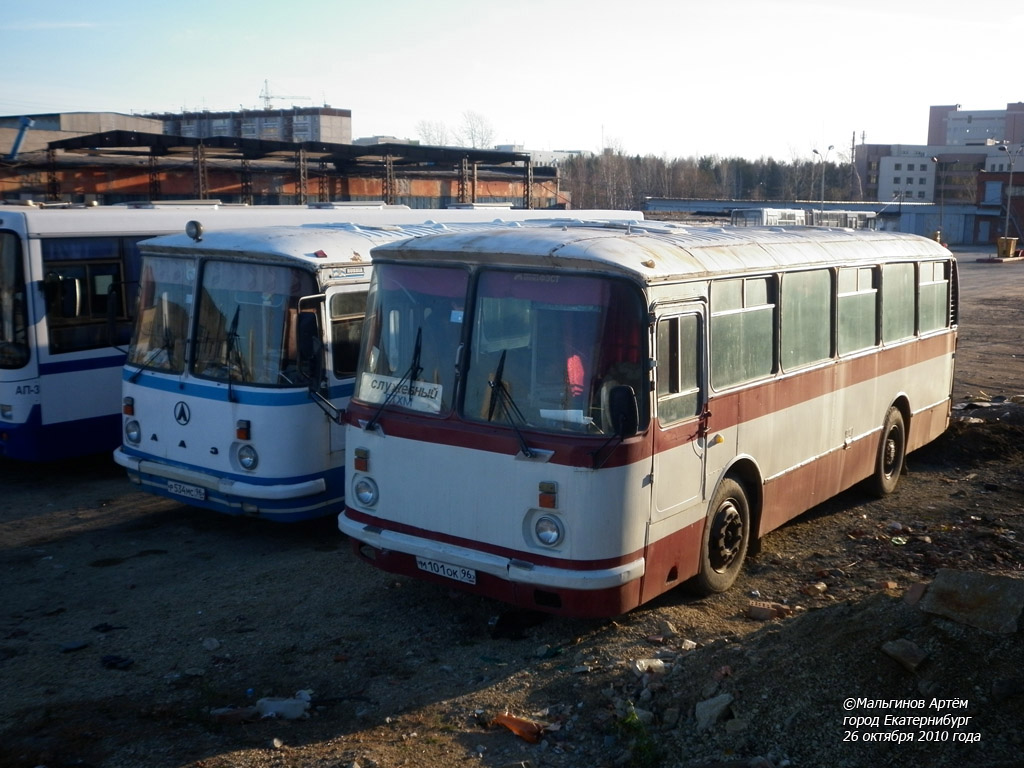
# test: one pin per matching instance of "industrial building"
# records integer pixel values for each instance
(297, 155)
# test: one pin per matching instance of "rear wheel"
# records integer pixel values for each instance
(726, 538)
(892, 453)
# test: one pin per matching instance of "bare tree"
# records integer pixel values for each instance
(432, 132)
(476, 131)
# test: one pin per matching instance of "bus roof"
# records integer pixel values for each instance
(320, 244)
(657, 251)
(165, 218)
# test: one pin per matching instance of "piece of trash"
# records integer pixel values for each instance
(286, 708)
(899, 541)
(528, 730)
(116, 662)
(643, 666)
(105, 627)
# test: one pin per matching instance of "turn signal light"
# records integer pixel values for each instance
(242, 431)
(362, 460)
(128, 406)
(548, 495)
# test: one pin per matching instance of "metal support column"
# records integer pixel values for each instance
(302, 173)
(246, 181)
(464, 180)
(52, 177)
(528, 186)
(323, 194)
(155, 190)
(199, 185)
(390, 184)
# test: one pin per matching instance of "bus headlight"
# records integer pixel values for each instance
(133, 432)
(365, 491)
(548, 530)
(248, 457)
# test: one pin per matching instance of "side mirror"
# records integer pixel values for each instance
(623, 411)
(310, 349)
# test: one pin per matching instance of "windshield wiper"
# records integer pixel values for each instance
(411, 375)
(232, 341)
(167, 347)
(500, 392)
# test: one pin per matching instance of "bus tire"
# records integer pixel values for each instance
(892, 453)
(725, 540)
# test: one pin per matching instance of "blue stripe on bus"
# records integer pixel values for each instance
(221, 475)
(86, 364)
(33, 441)
(247, 396)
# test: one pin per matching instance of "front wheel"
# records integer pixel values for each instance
(725, 540)
(892, 452)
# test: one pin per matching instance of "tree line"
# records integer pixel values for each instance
(616, 180)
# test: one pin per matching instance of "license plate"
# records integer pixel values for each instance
(455, 572)
(188, 491)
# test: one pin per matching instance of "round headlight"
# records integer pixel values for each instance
(248, 457)
(365, 491)
(549, 530)
(133, 432)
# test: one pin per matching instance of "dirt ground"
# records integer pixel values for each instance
(135, 631)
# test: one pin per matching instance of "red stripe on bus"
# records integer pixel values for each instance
(492, 549)
(727, 410)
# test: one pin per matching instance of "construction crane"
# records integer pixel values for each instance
(267, 97)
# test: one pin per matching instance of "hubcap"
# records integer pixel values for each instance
(726, 537)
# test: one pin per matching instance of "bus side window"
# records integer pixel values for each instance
(933, 296)
(805, 318)
(679, 390)
(857, 309)
(83, 286)
(347, 311)
(898, 300)
(742, 330)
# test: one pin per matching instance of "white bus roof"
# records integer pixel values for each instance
(321, 243)
(657, 251)
(40, 221)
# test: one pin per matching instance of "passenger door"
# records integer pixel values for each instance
(346, 309)
(679, 437)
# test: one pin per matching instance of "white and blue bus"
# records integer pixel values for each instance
(243, 358)
(68, 285)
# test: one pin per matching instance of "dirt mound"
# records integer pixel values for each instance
(817, 690)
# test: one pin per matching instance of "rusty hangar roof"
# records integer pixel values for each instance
(345, 157)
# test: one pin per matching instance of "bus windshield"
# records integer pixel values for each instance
(246, 330)
(165, 297)
(13, 319)
(543, 352)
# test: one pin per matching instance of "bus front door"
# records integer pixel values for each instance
(679, 443)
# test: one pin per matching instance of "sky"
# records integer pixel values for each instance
(670, 78)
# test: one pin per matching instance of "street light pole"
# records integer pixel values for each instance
(940, 184)
(1009, 184)
(823, 158)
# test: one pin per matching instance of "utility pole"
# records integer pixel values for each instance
(856, 191)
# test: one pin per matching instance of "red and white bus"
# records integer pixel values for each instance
(575, 419)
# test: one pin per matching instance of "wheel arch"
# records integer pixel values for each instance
(745, 471)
